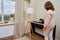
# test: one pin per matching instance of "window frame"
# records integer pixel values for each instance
(2, 11)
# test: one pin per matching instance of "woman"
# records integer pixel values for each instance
(49, 21)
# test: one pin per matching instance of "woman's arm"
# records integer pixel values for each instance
(47, 20)
(50, 25)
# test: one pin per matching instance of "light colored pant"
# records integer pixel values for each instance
(49, 36)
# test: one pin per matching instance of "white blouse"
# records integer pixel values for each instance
(49, 18)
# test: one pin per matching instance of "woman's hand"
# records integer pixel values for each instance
(44, 29)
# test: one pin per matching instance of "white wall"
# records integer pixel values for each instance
(40, 12)
(57, 18)
(6, 30)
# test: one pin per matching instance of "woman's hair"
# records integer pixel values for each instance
(49, 6)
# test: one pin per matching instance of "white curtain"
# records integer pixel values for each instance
(19, 19)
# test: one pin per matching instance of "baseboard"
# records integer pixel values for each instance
(12, 36)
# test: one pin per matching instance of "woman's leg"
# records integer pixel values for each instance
(46, 37)
(51, 35)
(48, 34)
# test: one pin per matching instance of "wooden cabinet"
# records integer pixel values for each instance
(37, 28)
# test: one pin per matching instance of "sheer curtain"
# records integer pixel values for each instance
(19, 19)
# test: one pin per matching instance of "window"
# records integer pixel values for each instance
(7, 9)
(0, 12)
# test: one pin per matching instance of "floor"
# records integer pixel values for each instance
(31, 37)
(34, 37)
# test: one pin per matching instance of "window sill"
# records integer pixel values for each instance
(6, 24)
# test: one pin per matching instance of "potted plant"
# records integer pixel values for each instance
(11, 17)
(28, 2)
(5, 21)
